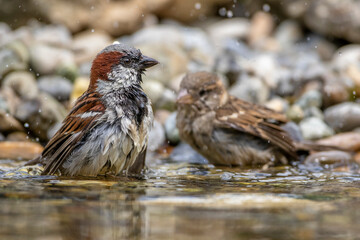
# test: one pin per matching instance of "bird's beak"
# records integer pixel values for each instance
(147, 62)
(184, 97)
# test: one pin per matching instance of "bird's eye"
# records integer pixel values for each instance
(126, 59)
(202, 92)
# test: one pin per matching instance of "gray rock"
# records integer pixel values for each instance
(344, 116)
(293, 130)
(58, 87)
(46, 59)
(295, 113)
(251, 89)
(10, 60)
(40, 113)
(8, 123)
(171, 131)
(314, 128)
(55, 35)
(23, 83)
(184, 153)
(235, 28)
(288, 33)
(313, 112)
(329, 159)
(156, 136)
(312, 98)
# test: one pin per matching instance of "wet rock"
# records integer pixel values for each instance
(40, 113)
(349, 141)
(156, 136)
(23, 84)
(315, 128)
(334, 93)
(8, 123)
(20, 150)
(329, 159)
(87, 44)
(313, 112)
(343, 117)
(237, 28)
(46, 59)
(320, 18)
(250, 89)
(81, 84)
(58, 87)
(171, 131)
(184, 153)
(17, 137)
(293, 130)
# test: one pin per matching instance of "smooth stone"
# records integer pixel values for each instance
(8, 123)
(171, 131)
(153, 89)
(344, 116)
(262, 25)
(251, 89)
(334, 93)
(156, 136)
(58, 87)
(315, 128)
(329, 159)
(293, 130)
(20, 150)
(47, 59)
(17, 137)
(295, 113)
(55, 35)
(312, 98)
(235, 28)
(23, 83)
(313, 112)
(87, 44)
(184, 153)
(288, 33)
(40, 113)
(348, 140)
(10, 61)
(277, 104)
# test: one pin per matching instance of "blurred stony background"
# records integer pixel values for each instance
(299, 57)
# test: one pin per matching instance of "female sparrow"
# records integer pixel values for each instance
(227, 130)
(106, 131)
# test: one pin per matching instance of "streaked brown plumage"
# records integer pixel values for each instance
(227, 130)
(107, 129)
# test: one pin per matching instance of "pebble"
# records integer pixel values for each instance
(8, 123)
(23, 83)
(312, 98)
(250, 89)
(235, 28)
(295, 113)
(348, 140)
(171, 131)
(156, 136)
(58, 87)
(343, 117)
(19, 150)
(314, 128)
(47, 59)
(329, 159)
(17, 137)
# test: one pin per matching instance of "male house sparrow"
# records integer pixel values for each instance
(227, 130)
(106, 131)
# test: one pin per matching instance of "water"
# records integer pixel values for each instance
(181, 201)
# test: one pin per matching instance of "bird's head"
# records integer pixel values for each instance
(118, 66)
(202, 90)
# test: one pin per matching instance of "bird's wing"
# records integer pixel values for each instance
(76, 125)
(255, 120)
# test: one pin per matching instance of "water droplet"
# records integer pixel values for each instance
(308, 39)
(315, 46)
(197, 6)
(92, 30)
(37, 139)
(229, 14)
(266, 7)
(39, 110)
(26, 125)
(340, 53)
(92, 8)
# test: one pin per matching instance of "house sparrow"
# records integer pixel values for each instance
(106, 131)
(227, 130)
